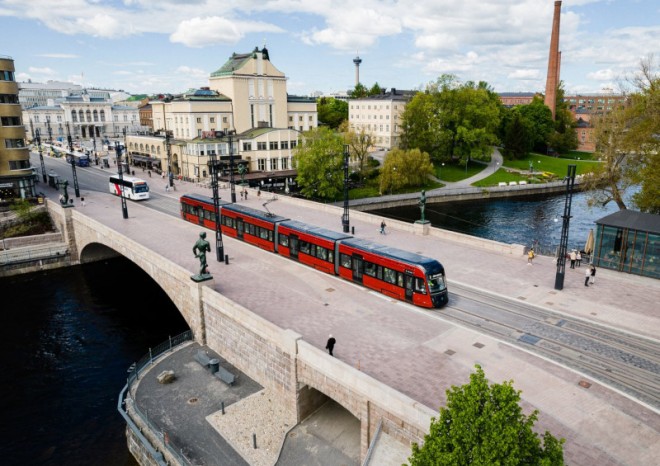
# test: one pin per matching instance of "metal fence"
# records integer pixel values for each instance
(133, 375)
(29, 254)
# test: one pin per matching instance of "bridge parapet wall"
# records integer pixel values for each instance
(366, 398)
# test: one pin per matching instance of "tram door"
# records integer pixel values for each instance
(199, 213)
(358, 267)
(240, 228)
(293, 247)
(408, 283)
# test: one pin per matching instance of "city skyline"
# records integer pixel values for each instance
(158, 47)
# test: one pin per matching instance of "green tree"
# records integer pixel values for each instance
(358, 92)
(375, 89)
(404, 168)
(484, 425)
(319, 159)
(359, 143)
(452, 119)
(517, 136)
(628, 145)
(539, 117)
(332, 112)
(564, 137)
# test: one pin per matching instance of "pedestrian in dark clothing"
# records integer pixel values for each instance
(149, 173)
(587, 276)
(382, 227)
(330, 344)
(242, 195)
(593, 274)
(245, 191)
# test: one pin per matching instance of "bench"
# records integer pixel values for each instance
(501, 183)
(203, 358)
(224, 375)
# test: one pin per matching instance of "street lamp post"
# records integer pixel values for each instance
(231, 166)
(96, 156)
(214, 165)
(50, 130)
(118, 150)
(563, 244)
(41, 156)
(168, 146)
(72, 161)
(127, 155)
(442, 165)
(344, 218)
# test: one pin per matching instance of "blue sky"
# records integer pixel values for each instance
(157, 46)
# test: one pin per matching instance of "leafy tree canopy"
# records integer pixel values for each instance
(319, 159)
(452, 119)
(332, 112)
(404, 168)
(483, 425)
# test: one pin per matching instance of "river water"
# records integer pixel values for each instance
(69, 336)
(531, 220)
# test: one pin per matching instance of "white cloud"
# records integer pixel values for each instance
(602, 75)
(44, 71)
(525, 74)
(192, 72)
(58, 55)
(200, 32)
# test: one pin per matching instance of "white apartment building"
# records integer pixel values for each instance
(380, 115)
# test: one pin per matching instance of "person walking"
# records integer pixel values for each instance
(242, 195)
(530, 257)
(578, 258)
(382, 227)
(330, 344)
(587, 276)
(82, 201)
(149, 173)
(573, 257)
(593, 274)
(245, 191)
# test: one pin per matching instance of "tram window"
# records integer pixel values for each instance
(369, 269)
(283, 240)
(304, 247)
(312, 250)
(322, 253)
(331, 256)
(345, 261)
(263, 233)
(419, 286)
(399, 279)
(379, 272)
(208, 215)
(249, 229)
(389, 275)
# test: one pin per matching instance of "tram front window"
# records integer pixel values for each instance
(437, 283)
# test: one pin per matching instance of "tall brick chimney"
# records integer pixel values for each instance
(552, 80)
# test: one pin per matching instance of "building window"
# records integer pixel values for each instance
(311, 118)
(102, 115)
(74, 116)
(224, 119)
(8, 99)
(199, 120)
(261, 164)
(294, 144)
(285, 164)
(12, 121)
(261, 145)
(300, 118)
(273, 145)
(290, 119)
(125, 118)
(273, 164)
(19, 164)
(212, 120)
(247, 146)
(14, 143)
(6, 75)
(284, 145)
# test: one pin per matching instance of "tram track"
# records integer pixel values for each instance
(630, 363)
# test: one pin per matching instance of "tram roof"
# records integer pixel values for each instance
(203, 198)
(391, 252)
(260, 214)
(314, 230)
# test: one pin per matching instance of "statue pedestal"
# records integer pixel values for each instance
(422, 227)
(201, 277)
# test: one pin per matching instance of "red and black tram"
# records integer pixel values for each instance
(396, 273)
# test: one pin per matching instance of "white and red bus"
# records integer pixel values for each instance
(133, 188)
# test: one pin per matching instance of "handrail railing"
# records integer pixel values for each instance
(372, 445)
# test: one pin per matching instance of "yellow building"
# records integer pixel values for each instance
(16, 178)
(246, 105)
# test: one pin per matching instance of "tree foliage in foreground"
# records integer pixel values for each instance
(484, 425)
(319, 159)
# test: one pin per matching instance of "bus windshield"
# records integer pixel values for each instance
(140, 187)
(437, 283)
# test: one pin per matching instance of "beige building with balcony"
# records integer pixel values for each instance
(16, 178)
(380, 115)
(247, 99)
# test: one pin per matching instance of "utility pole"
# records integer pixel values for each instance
(344, 218)
(563, 244)
(72, 160)
(124, 208)
(214, 164)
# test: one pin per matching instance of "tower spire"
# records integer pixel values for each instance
(552, 79)
(357, 60)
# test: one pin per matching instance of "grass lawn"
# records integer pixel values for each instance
(555, 165)
(372, 189)
(456, 171)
